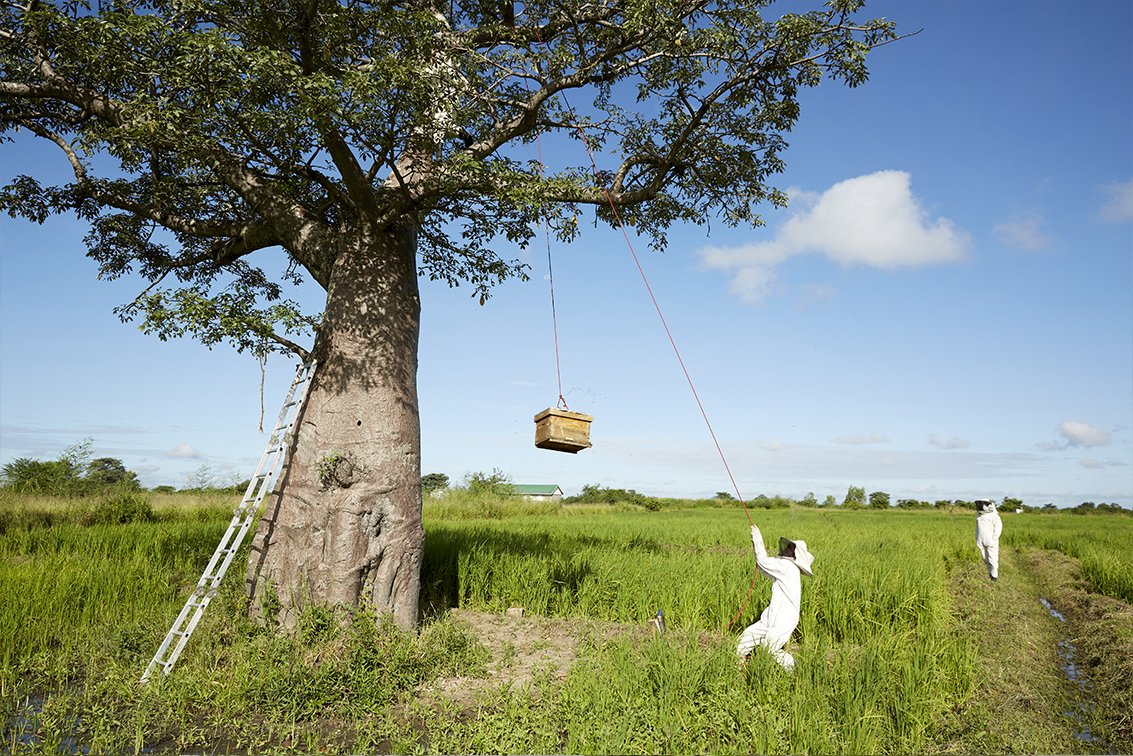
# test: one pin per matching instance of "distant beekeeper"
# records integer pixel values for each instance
(988, 528)
(781, 616)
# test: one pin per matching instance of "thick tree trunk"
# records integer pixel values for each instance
(345, 525)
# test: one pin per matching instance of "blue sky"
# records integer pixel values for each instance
(945, 310)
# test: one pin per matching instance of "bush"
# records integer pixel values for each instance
(122, 509)
(598, 495)
(763, 501)
(913, 504)
(433, 482)
(72, 474)
(496, 484)
(37, 476)
(879, 500)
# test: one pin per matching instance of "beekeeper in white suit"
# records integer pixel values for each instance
(781, 616)
(988, 528)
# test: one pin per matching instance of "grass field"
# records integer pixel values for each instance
(883, 662)
(1104, 548)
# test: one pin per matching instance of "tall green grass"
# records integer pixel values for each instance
(1102, 543)
(73, 566)
(697, 565)
(60, 583)
(880, 662)
(675, 695)
(465, 504)
(31, 512)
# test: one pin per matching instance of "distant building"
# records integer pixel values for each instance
(540, 492)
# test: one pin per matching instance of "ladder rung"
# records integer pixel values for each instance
(207, 585)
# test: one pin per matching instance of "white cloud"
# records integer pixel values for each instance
(184, 451)
(1092, 464)
(872, 220)
(1119, 209)
(952, 443)
(815, 294)
(1080, 434)
(854, 440)
(1024, 233)
(754, 283)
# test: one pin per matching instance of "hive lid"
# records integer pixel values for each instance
(552, 411)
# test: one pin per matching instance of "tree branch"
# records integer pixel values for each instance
(290, 345)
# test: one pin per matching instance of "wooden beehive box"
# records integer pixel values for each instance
(562, 430)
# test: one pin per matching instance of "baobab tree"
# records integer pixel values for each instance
(375, 142)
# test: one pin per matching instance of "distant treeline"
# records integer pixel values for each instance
(855, 499)
(76, 472)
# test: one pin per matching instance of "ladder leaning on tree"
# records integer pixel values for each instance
(260, 487)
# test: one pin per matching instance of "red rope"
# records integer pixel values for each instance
(676, 351)
(657, 307)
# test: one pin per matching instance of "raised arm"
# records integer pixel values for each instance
(771, 566)
(757, 544)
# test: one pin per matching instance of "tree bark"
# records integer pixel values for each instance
(344, 527)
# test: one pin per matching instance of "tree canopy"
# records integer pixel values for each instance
(200, 132)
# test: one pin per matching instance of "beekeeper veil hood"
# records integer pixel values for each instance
(985, 505)
(803, 558)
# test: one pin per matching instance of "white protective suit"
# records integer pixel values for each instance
(988, 528)
(781, 616)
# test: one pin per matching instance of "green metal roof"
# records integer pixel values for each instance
(540, 489)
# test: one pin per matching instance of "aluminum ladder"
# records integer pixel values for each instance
(261, 486)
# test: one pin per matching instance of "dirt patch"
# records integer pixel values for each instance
(522, 647)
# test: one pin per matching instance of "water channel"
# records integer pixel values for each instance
(22, 732)
(1083, 701)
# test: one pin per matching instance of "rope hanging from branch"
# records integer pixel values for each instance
(660, 315)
